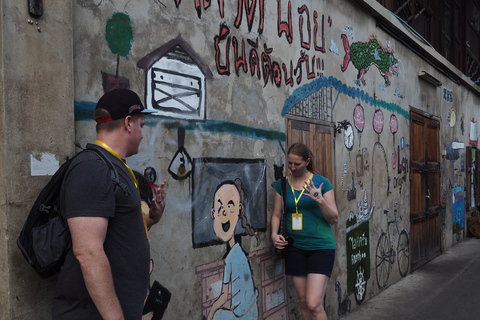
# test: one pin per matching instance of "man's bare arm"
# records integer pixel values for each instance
(88, 236)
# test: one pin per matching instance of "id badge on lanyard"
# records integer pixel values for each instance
(297, 221)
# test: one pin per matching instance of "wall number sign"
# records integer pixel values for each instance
(448, 95)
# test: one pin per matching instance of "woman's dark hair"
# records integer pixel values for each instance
(304, 152)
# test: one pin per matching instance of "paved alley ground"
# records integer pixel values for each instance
(446, 288)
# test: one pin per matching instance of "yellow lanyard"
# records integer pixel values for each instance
(133, 176)
(301, 193)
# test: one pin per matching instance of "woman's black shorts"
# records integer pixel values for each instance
(300, 262)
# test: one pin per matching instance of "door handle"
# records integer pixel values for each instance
(428, 194)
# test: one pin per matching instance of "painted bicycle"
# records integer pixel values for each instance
(386, 253)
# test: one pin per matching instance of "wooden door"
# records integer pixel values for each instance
(472, 172)
(318, 136)
(425, 218)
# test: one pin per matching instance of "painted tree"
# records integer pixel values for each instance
(119, 36)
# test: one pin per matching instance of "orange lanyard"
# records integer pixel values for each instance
(301, 193)
(133, 176)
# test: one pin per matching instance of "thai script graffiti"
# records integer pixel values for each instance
(241, 54)
(358, 241)
(358, 251)
(402, 165)
(250, 10)
(399, 181)
(357, 257)
(260, 62)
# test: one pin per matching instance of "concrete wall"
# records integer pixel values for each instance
(37, 134)
(231, 124)
(4, 303)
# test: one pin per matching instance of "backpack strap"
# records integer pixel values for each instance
(284, 194)
(113, 172)
(283, 220)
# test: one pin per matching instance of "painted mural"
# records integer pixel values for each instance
(393, 246)
(176, 80)
(352, 92)
(358, 256)
(119, 37)
(226, 77)
(359, 122)
(250, 56)
(237, 207)
(228, 208)
(208, 173)
(181, 165)
(458, 210)
(344, 303)
(229, 195)
(363, 55)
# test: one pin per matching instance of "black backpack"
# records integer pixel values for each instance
(45, 238)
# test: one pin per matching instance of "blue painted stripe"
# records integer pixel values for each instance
(84, 112)
(317, 84)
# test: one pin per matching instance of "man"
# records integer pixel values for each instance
(106, 274)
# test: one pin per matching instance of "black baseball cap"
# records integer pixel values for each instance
(121, 103)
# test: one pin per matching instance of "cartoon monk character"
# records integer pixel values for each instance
(228, 208)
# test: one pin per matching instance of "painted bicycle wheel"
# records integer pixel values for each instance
(382, 261)
(403, 253)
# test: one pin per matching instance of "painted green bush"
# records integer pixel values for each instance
(119, 35)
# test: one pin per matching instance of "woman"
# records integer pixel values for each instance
(311, 209)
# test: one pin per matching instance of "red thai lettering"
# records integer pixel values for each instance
(285, 27)
(310, 74)
(315, 33)
(250, 10)
(304, 44)
(206, 5)
(288, 79)
(266, 64)
(224, 32)
(276, 74)
(239, 61)
(298, 68)
(254, 60)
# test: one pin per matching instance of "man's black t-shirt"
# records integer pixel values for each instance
(88, 190)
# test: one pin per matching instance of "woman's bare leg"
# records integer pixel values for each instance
(300, 284)
(316, 285)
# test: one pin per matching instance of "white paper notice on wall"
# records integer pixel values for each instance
(46, 166)
(458, 145)
(473, 132)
